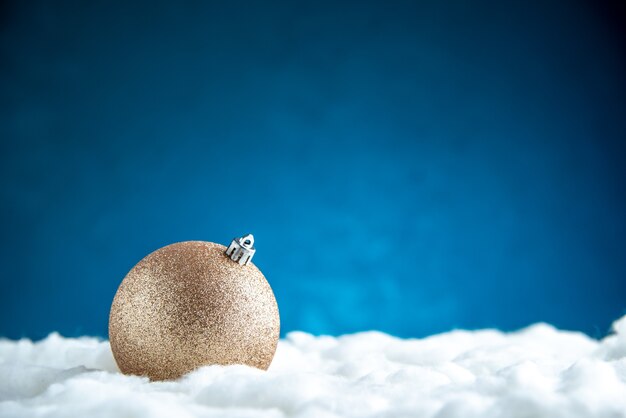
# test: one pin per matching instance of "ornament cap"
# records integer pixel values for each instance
(241, 249)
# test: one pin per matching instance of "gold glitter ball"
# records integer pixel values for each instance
(189, 305)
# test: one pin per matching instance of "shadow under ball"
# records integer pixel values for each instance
(188, 305)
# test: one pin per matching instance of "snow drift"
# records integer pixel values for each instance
(538, 371)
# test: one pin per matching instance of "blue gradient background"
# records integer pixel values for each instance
(405, 166)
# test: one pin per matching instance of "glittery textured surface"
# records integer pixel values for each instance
(187, 305)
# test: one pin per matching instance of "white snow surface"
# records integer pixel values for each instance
(538, 371)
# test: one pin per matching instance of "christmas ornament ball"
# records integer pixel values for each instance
(191, 304)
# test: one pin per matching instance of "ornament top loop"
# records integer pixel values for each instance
(241, 249)
(247, 241)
